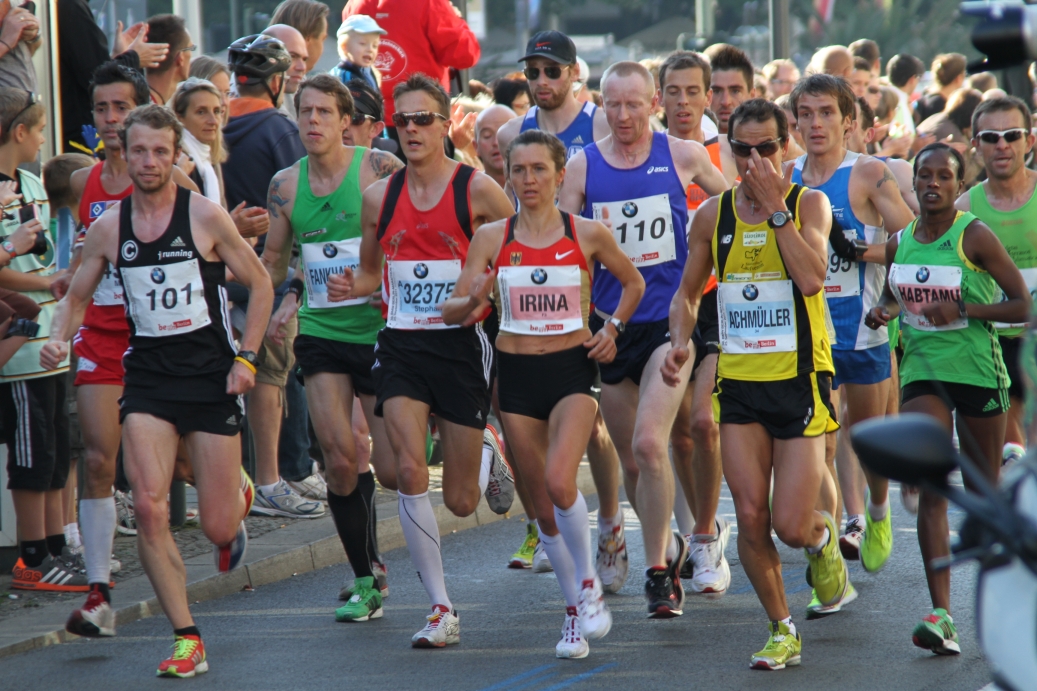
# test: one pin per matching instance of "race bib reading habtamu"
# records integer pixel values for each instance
(843, 276)
(416, 289)
(540, 300)
(643, 228)
(166, 300)
(757, 317)
(915, 286)
(322, 259)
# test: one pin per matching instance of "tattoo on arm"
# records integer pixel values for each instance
(384, 164)
(275, 200)
(886, 177)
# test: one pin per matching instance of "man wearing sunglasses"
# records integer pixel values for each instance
(636, 181)
(866, 206)
(421, 221)
(163, 80)
(1007, 203)
(767, 240)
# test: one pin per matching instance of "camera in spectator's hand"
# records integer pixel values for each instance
(22, 327)
(28, 213)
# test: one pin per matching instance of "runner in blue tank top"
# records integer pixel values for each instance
(635, 181)
(867, 207)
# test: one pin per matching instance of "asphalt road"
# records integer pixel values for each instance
(284, 636)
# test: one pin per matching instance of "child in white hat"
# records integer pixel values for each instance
(358, 39)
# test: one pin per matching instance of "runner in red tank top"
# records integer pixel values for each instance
(548, 359)
(421, 222)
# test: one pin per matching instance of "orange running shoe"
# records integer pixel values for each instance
(187, 660)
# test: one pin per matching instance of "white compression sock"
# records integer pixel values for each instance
(422, 534)
(681, 511)
(574, 525)
(97, 517)
(878, 512)
(72, 538)
(564, 568)
(671, 548)
(484, 468)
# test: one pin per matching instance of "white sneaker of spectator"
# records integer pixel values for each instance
(281, 500)
(313, 487)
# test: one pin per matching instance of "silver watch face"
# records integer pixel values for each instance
(780, 218)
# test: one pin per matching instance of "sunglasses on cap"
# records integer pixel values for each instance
(994, 136)
(552, 72)
(33, 100)
(765, 149)
(422, 118)
(359, 118)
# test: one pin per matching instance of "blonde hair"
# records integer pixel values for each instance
(625, 68)
(182, 101)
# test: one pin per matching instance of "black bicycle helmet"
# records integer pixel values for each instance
(254, 59)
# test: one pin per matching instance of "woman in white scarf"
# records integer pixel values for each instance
(198, 105)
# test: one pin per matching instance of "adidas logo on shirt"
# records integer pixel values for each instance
(326, 207)
(578, 140)
(946, 245)
(178, 242)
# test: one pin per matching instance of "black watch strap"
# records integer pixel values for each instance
(249, 357)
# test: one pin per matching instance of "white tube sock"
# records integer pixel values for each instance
(564, 568)
(97, 518)
(421, 531)
(484, 468)
(574, 525)
(681, 510)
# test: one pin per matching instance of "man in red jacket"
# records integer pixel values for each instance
(426, 36)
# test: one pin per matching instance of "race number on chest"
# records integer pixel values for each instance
(167, 299)
(416, 289)
(643, 228)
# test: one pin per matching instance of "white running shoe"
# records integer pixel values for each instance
(541, 562)
(283, 501)
(712, 572)
(572, 646)
(94, 619)
(595, 617)
(500, 491)
(125, 522)
(612, 563)
(909, 498)
(443, 629)
(314, 487)
(115, 566)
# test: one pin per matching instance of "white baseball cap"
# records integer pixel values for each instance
(361, 24)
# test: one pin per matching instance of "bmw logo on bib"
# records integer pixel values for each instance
(330, 250)
(630, 209)
(129, 250)
(420, 270)
(158, 275)
(922, 275)
(539, 276)
(750, 292)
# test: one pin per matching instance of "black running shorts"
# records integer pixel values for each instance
(968, 400)
(222, 418)
(633, 348)
(787, 409)
(315, 355)
(36, 429)
(1010, 351)
(706, 336)
(449, 369)
(532, 385)
(491, 325)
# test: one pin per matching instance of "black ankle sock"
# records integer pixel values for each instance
(56, 543)
(103, 589)
(352, 515)
(33, 552)
(365, 483)
(187, 631)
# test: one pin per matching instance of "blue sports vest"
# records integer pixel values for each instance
(852, 288)
(576, 136)
(648, 211)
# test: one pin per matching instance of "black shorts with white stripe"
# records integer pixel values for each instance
(35, 427)
(217, 417)
(449, 369)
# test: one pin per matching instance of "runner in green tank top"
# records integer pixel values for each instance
(946, 272)
(1007, 202)
(317, 201)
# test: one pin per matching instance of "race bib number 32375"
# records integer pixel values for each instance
(416, 289)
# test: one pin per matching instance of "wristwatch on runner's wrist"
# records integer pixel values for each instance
(9, 248)
(249, 357)
(618, 324)
(780, 218)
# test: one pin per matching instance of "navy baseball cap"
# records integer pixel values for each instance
(553, 45)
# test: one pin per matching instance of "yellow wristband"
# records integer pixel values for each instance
(246, 363)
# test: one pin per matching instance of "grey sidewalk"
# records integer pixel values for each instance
(292, 547)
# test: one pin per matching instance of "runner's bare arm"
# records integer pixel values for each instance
(377, 166)
(599, 245)
(986, 251)
(572, 194)
(888, 307)
(905, 181)
(964, 203)
(280, 200)
(884, 194)
(694, 165)
(368, 277)
(489, 203)
(475, 282)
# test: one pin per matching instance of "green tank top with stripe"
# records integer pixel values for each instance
(328, 230)
(1017, 231)
(966, 351)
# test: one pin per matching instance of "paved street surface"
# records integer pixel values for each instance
(284, 636)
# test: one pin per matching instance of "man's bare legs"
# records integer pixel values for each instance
(265, 412)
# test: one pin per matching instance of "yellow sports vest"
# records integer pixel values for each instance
(769, 330)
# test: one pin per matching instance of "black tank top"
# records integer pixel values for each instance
(181, 347)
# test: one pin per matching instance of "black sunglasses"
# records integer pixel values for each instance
(422, 118)
(994, 136)
(765, 149)
(552, 72)
(33, 100)
(359, 118)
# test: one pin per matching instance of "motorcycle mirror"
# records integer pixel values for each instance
(911, 448)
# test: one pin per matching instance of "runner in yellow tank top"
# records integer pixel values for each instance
(768, 241)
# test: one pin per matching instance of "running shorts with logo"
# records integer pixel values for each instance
(99, 356)
(968, 400)
(35, 425)
(532, 385)
(775, 364)
(491, 325)
(633, 348)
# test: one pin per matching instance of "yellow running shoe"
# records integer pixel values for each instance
(827, 568)
(523, 559)
(878, 542)
(783, 649)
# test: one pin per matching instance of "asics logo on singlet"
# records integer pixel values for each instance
(922, 275)
(326, 207)
(178, 242)
(563, 255)
(658, 169)
(330, 250)
(420, 270)
(129, 250)
(629, 209)
(539, 276)
(158, 275)
(750, 292)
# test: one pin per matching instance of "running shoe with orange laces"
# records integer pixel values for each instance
(187, 660)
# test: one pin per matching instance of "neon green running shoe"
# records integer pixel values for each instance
(366, 602)
(936, 632)
(878, 542)
(523, 559)
(782, 650)
(827, 568)
(816, 610)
